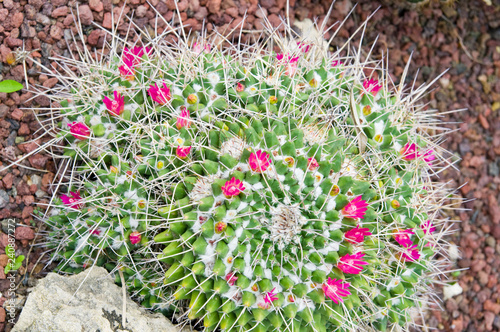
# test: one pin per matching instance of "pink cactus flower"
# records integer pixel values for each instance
(410, 254)
(79, 130)
(312, 164)
(428, 227)
(160, 95)
(429, 156)
(357, 235)
(240, 87)
(290, 63)
(199, 47)
(355, 208)
(182, 152)
(409, 151)
(135, 54)
(127, 69)
(270, 296)
(135, 237)
(74, 201)
(336, 290)
(352, 264)
(336, 63)
(95, 232)
(231, 278)
(115, 106)
(403, 237)
(183, 120)
(220, 227)
(372, 86)
(304, 47)
(259, 161)
(232, 187)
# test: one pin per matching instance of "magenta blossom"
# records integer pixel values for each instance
(74, 201)
(410, 151)
(336, 290)
(95, 232)
(352, 264)
(182, 152)
(410, 254)
(270, 296)
(183, 120)
(160, 95)
(232, 187)
(127, 69)
(231, 278)
(199, 47)
(115, 106)
(357, 235)
(291, 63)
(312, 164)
(336, 63)
(304, 47)
(429, 156)
(135, 237)
(79, 130)
(428, 227)
(403, 237)
(135, 54)
(372, 86)
(259, 161)
(355, 208)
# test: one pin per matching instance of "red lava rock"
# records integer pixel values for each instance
(106, 23)
(4, 259)
(51, 82)
(24, 233)
(17, 19)
(484, 122)
(96, 5)
(23, 129)
(23, 188)
(489, 317)
(3, 14)
(3, 314)
(85, 15)
(17, 114)
(60, 11)
(59, 3)
(457, 324)
(47, 179)
(213, 6)
(28, 199)
(491, 306)
(38, 160)
(93, 37)
(4, 240)
(27, 211)
(56, 32)
(494, 209)
(13, 42)
(7, 181)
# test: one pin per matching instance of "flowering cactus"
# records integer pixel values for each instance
(252, 191)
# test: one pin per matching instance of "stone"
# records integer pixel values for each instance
(60, 11)
(38, 160)
(85, 15)
(96, 5)
(107, 21)
(4, 199)
(24, 233)
(8, 180)
(17, 19)
(88, 301)
(492, 306)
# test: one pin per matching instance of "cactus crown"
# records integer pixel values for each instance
(251, 190)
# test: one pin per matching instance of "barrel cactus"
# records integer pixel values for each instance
(241, 189)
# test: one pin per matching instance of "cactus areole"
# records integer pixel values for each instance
(249, 190)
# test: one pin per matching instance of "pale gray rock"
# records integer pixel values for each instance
(88, 301)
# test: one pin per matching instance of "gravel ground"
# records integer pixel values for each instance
(463, 37)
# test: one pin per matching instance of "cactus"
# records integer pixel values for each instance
(245, 189)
